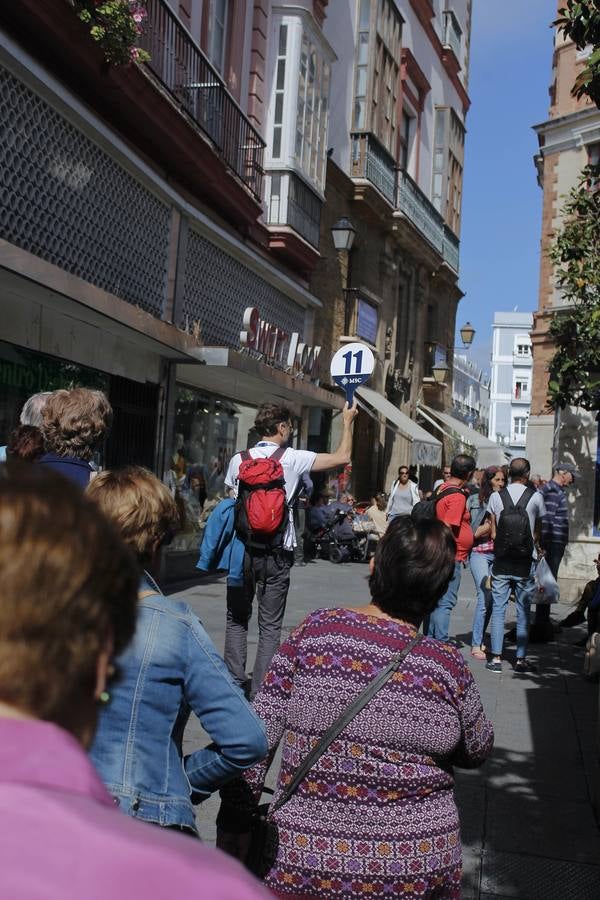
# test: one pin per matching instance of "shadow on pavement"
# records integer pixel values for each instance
(528, 823)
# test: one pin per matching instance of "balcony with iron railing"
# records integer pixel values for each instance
(420, 211)
(200, 92)
(370, 160)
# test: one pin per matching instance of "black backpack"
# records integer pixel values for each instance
(426, 509)
(514, 539)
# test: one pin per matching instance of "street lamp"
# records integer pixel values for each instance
(467, 333)
(440, 372)
(343, 233)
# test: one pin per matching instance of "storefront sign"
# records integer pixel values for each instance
(278, 347)
(351, 366)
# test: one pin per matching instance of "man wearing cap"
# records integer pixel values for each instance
(555, 537)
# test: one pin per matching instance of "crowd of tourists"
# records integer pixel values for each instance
(100, 671)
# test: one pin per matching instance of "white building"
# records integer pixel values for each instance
(510, 390)
(471, 394)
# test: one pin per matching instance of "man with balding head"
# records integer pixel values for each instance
(516, 512)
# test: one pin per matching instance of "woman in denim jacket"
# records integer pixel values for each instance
(170, 669)
(482, 554)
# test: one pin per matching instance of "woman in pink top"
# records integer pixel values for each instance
(69, 596)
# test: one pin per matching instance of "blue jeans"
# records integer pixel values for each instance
(481, 569)
(501, 588)
(437, 624)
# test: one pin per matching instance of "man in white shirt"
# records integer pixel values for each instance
(514, 558)
(268, 573)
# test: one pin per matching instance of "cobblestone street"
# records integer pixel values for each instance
(528, 824)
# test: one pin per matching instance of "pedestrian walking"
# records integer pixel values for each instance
(374, 816)
(451, 508)
(554, 539)
(446, 475)
(516, 511)
(404, 494)
(74, 424)
(170, 669)
(69, 600)
(481, 557)
(268, 565)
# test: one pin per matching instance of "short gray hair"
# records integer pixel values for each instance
(31, 414)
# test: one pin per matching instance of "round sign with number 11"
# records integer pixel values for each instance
(351, 366)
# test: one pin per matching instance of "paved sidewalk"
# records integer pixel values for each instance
(528, 825)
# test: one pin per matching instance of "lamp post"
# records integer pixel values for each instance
(467, 333)
(440, 372)
(343, 234)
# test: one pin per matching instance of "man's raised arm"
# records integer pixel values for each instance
(343, 454)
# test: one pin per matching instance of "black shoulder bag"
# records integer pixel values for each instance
(265, 839)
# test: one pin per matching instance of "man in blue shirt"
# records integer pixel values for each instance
(554, 538)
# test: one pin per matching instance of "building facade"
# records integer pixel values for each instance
(568, 141)
(510, 385)
(471, 394)
(141, 247)
(398, 107)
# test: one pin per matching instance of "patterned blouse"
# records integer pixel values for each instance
(376, 815)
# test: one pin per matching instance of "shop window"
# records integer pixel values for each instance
(208, 431)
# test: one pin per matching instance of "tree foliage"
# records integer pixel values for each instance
(575, 253)
(580, 21)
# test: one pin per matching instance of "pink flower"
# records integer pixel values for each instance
(134, 53)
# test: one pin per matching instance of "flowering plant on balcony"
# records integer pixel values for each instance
(115, 25)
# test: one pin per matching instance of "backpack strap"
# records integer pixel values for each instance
(525, 497)
(278, 453)
(245, 455)
(440, 493)
(507, 500)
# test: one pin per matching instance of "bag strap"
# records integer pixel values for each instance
(245, 455)
(525, 498)
(507, 500)
(342, 721)
(278, 453)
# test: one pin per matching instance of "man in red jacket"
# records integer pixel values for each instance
(452, 509)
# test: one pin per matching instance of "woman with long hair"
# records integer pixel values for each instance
(482, 554)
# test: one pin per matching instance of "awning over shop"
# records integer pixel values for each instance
(426, 450)
(487, 452)
(248, 380)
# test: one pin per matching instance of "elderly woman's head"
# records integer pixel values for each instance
(75, 422)
(140, 506)
(69, 595)
(412, 567)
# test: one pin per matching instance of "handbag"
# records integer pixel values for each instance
(591, 659)
(264, 841)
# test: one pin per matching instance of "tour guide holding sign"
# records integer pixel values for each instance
(267, 568)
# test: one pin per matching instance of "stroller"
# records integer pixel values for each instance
(336, 540)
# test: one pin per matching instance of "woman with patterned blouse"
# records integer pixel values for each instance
(375, 816)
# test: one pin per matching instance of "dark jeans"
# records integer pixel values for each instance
(267, 576)
(554, 555)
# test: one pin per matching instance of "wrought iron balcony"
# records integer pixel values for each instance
(293, 203)
(183, 69)
(419, 210)
(371, 161)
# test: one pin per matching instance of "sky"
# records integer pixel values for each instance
(510, 72)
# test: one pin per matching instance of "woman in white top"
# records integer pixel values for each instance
(403, 495)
